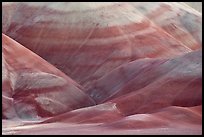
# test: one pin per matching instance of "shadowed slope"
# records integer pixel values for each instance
(149, 78)
(38, 88)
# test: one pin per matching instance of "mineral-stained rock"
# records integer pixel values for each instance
(171, 120)
(181, 86)
(179, 20)
(101, 68)
(36, 87)
(92, 38)
(181, 76)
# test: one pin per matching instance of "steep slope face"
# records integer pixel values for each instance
(138, 66)
(182, 75)
(179, 20)
(7, 101)
(172, 101)
(182, 86)
(34, 87)
(93, 38)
